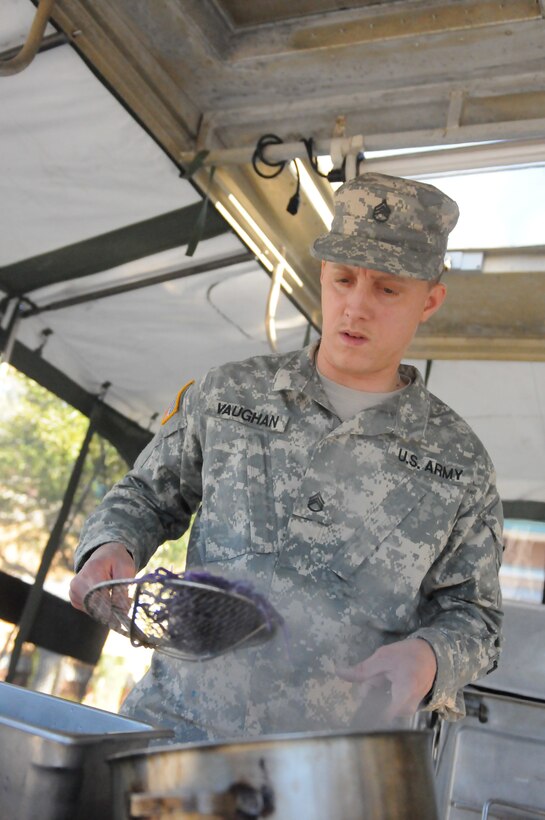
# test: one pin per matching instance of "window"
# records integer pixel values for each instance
(522, 575)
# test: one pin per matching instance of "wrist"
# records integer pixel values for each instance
(431, 660)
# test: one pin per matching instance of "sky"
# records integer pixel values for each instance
(498, 209)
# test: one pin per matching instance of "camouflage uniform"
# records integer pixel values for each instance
(361, 533)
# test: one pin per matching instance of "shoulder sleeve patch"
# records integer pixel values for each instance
(173, 408)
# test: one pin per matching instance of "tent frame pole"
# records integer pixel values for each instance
(33, 42)
(32, 603)
(13, 313)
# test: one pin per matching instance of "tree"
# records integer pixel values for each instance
(40, 437)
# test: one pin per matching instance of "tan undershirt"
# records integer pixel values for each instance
(348, 402)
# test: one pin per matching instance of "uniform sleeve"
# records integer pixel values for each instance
(154, 502)
(461, 611)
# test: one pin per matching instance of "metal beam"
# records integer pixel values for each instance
(496, 316)
(356, 27)
(137, 76)
(147, 282)
(488, 155)
(410, 116)
(109, 250)
(164, 99)
(491, 348)
(393, 90)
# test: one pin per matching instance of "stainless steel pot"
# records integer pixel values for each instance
(53, 755)
(378, 776)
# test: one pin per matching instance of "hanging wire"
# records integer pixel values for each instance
(278, 166)
(259, 157)
(312, 158)
(259, 160)
(293, 204)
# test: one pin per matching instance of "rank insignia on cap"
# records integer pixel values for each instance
(381, 213)
(173, 408)
(389, 224)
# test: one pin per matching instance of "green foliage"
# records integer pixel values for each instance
(39, 440)
(171, 554)
(40, 437)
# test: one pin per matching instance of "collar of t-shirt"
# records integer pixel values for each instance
(348, 402)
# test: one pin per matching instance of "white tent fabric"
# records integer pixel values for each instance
(150, 342)
(74, 165)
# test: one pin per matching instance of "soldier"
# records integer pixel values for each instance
(358, 502)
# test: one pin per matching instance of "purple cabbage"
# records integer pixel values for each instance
(245, 589)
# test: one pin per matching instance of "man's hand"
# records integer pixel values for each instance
(409, 666)
(107, 562)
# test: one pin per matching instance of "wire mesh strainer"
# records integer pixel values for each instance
(192, 616)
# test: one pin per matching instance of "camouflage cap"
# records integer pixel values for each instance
(389, 224)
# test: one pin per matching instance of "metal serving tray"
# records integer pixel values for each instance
(53, 755)
(492, 764)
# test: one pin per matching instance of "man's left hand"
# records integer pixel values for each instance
(409, 666)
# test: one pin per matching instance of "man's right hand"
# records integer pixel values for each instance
(109, 561)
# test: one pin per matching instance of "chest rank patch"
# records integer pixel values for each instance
(173, 408)
(316, 502)
(381, 212)
(253, 416)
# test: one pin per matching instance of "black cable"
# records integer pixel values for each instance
(293, 205)
(335, 175)
(309, 144)
(339, 174)
(278, 165)
(258, 156)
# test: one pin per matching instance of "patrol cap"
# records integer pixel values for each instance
(390, 224)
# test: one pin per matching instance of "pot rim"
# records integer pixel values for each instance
(273, 740)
